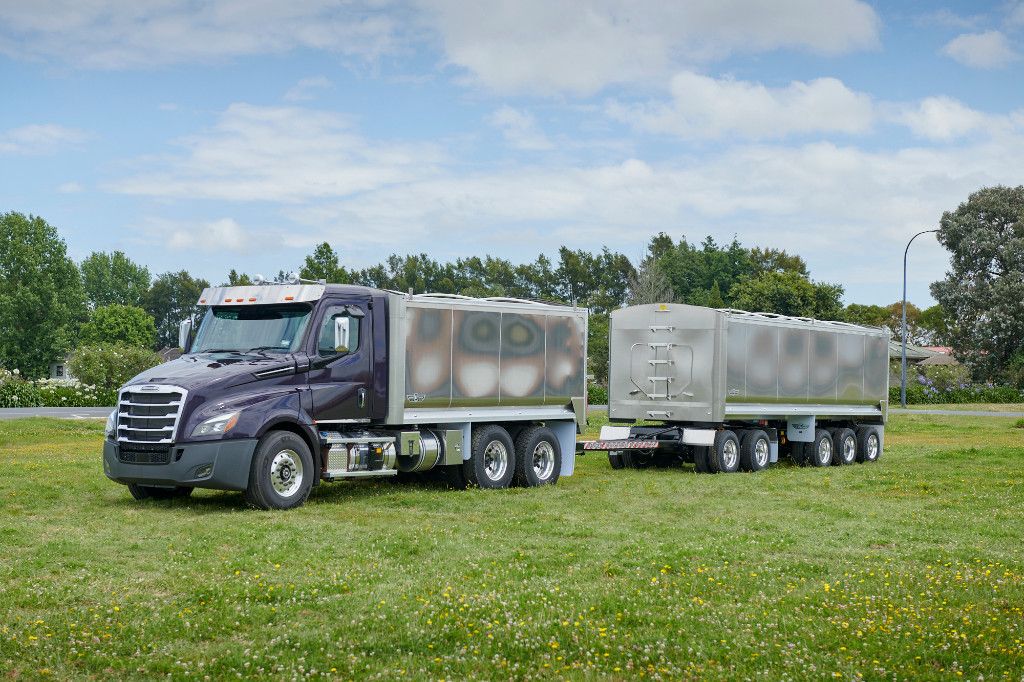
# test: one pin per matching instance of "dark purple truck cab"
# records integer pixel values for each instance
(288, 385)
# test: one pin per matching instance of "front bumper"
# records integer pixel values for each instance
(222, 465)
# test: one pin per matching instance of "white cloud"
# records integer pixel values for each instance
(704, 107)
(116, 34)
(220, 235)
(38, 139)
(950, 19)
(520, 129)
(581, 46)
(306, 89)
(988, 50)
(70, 188)
(284, 154)
(944, 118)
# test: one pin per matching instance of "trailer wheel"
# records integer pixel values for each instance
(821, 449)
(755, 451)
(637, 459)
(725, 455)
(282, 472)
(492, 463)
(150, 492)
(538, 457)
(845, 442)
(869, 444)
(796, 453)
(700, 459)
(615, 459)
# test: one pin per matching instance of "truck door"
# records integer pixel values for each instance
(341, 362)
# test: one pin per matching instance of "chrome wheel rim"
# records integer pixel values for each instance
(286, 473)
(849, 449)
(495, 460)
(543, 460)
(761, 452)
(872, 447)
(825, 451)
(730, 454)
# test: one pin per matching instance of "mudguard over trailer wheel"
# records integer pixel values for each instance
(701, 455)
(869, 444)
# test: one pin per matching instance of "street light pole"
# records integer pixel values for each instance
(903, 355)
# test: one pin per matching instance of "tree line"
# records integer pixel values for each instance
(49, 304)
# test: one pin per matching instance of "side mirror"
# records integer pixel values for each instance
(342, 328)
(185, 335)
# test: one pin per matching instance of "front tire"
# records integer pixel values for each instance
(281, 475)
(150, 492)
(493, 460)
(538, 457)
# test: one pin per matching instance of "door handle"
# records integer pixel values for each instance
(361, 397)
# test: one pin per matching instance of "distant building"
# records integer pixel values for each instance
(60, 370)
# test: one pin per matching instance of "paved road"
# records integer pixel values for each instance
(102, 412)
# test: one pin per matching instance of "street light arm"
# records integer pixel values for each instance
(903, 353)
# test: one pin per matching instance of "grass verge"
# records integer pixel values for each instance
(910, 567)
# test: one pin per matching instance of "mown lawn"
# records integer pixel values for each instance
(911, 567)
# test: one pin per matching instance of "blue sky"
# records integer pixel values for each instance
(238, 134)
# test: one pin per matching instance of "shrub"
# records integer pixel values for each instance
(108, 366)
(122, 324)
(65, 393)
(922, 391)
(16, 392)
(597, 394)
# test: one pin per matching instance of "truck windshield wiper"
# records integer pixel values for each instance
(264, 348)
(219, 350)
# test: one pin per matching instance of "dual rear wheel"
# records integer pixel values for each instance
(496, 461)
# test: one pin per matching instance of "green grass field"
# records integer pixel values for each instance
(911, 567)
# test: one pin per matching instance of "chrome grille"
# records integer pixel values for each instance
(149, 413)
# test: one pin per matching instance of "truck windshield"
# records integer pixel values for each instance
(250, 329)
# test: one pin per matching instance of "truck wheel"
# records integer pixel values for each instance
(821, 451)
(538, 457)
(869, 444)
(796, 453)
(454, 477)
(282, 472)
(150, 492)
(845, 442)
(725, 455)
(493, 460)
(755, 451)
(701, 454)
(615, 459)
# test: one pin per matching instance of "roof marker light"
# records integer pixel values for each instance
(289, 298)
(252, 300)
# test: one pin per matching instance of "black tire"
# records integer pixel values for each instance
(149, 492)
(282, 472)
(492, 462)
(637, 459)
(615, 459)
(700, 459)
(869, 444)
(798, 453)
(844, 442)
(820, 452)
(725, 454)
(538, 457)
(755, 451)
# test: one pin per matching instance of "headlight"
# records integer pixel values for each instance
(111, 425)
(214, 426)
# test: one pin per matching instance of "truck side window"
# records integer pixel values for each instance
(327, 345)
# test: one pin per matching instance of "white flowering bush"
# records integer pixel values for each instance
(16, 392)
(72, 393)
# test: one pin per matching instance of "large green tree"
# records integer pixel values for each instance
(323, 264)
(172, 298)
(42, 302)
(113, 278)
(789, 293)
(124, 324)
(983, 291)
